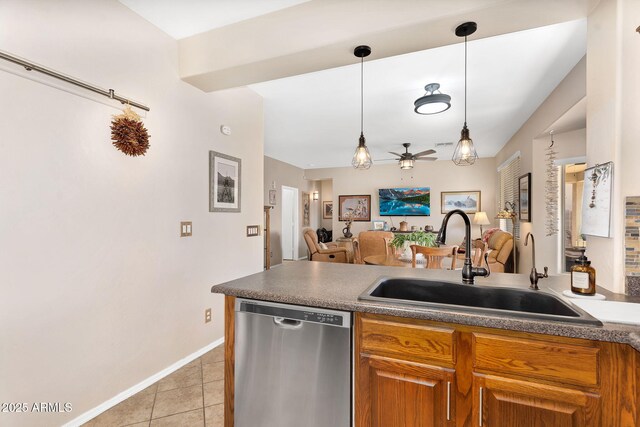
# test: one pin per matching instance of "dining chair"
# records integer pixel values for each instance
(434, 257)
(478, 249)
(373, 243)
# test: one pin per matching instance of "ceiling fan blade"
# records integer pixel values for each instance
(386, 160)
(424, 153)
(395, 154)
(430, 159)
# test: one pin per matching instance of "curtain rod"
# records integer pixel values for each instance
(108, 93)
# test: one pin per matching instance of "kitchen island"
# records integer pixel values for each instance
(468, 367)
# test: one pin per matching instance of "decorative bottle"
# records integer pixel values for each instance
(583, 277)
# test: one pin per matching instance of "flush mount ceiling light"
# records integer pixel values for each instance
(465, 153)
(431, 102)
(362, 158)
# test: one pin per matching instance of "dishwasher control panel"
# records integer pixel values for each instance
(311, 315)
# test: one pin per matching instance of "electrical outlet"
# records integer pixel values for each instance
(207, 315)
(185, 229)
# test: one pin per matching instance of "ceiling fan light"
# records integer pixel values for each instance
(406, 164)
(361, 157)
(431, 102)
(465, 153)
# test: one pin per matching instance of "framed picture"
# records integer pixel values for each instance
(272, 197)
(306, 210)
(596, 200)
(524, 197)
(327, 210)
(355, 208)
(224, 183)
(378, 225)
(467, 201)
(415, 201)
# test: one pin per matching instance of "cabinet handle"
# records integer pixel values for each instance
(480, 408)
(448, 400)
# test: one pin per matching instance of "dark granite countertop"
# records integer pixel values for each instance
(338, 286)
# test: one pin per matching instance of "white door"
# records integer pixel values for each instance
(289, 223)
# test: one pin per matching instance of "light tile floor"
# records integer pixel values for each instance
(191, 396)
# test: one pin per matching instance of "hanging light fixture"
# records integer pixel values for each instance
(362, 158)
(431, 102)
(465, 153)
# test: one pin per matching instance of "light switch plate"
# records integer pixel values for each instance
(253, 230)
(185, 229)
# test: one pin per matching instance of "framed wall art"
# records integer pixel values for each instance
(414, 201)
(467, 201)
(327, 210)
(306, 209)
(524, 197)
(224, 182)
(596, 200)
(355, 208)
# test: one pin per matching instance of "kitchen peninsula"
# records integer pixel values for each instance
(456, 367)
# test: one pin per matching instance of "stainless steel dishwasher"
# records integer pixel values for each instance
(292, 366)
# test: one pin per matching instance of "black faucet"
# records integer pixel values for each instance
(468, 271)
(534, 276)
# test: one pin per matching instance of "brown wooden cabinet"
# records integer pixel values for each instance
(419, 373)
(398, 393)
(502, 401)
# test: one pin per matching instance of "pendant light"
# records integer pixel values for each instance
(465, 153)
(362, 158)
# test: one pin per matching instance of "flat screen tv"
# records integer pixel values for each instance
(405, 201)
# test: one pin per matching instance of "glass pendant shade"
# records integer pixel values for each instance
(406, 164)
(465, 153)
(361, 158)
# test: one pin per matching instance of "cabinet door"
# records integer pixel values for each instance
(506, 402)
(395, 393)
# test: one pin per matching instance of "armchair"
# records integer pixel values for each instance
(331, 252)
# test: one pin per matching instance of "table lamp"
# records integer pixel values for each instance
(480, 218)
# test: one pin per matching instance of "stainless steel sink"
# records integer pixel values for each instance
(496, 300)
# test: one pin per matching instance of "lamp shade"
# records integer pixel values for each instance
(406, 164)
(480, 218)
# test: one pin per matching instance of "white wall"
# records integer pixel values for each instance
(98, 290)
(326, 195)
(613, 48)
(440, 176)
(567, 94)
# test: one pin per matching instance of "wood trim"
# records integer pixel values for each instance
(229, 358)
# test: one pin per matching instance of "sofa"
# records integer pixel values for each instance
(500, 249)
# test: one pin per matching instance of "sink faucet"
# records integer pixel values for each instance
(534, 276)
(468, 271)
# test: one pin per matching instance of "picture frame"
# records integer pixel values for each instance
(225, 174)
(327, 210)
(355, 208)
(524, 198)
(306, 209)
(596, 200)
(468, 202)
(377, 225)
(272, 197)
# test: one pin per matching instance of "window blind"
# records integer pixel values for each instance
(508, 192)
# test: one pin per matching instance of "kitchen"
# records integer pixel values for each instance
(121, 293)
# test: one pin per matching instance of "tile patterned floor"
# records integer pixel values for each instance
(191, 396)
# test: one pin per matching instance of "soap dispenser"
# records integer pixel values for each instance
(583, 277)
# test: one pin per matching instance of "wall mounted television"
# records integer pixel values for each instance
(405, 201)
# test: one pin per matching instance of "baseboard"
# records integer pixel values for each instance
(276, 266)
(92, 413)
(303, 258)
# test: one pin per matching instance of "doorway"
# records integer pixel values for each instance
(573, 242)
(289, 223)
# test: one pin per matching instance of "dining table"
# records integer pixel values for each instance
(393, 260)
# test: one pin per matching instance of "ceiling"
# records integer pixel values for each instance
(298, 56)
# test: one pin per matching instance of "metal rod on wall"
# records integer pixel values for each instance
(108, 93)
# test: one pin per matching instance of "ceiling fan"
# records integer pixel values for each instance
(406, 159)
